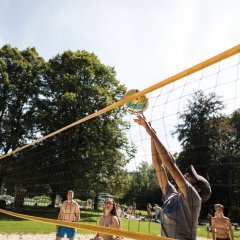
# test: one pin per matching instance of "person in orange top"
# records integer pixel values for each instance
(221, 225)
(149, 211)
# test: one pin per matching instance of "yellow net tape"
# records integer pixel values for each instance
(78, 225)
(210, 61)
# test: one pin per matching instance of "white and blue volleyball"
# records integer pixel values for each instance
(136, 105)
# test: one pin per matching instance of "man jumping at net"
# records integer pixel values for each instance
(181, 209)
(69, 212)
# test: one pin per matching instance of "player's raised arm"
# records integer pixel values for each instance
(159, 168)
(163, 156)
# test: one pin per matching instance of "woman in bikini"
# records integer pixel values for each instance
(108, 219)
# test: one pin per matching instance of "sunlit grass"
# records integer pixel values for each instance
(9, 224)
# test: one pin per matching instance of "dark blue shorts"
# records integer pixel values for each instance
(70, 232)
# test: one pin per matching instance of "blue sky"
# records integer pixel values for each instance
(146, 41)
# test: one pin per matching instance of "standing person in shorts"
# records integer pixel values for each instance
(134, 207)
(149, 211)
(221, 225)
(69, 212)
(181, 209)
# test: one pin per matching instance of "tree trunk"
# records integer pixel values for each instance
(53, 199)
(96, 202)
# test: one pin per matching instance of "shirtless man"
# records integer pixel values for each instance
(69, 212)
(221, 225)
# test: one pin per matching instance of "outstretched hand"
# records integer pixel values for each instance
(141, 120)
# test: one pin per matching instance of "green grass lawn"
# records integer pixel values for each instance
(9, 224)
(12, 224)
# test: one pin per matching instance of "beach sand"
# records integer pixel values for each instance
(12, 236)
(52, 236)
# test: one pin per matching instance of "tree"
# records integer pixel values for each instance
(88, 158)
(235, 122)
(92, 153)
(210, 142)
(224, 166)
(198, 130)
(143, 187)
(234, 207)
(20, 84)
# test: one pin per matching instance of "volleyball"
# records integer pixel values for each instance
(136, 105)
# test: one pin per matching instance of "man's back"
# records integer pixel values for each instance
(179, 216)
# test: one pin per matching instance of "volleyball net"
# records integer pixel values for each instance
(106, 154)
